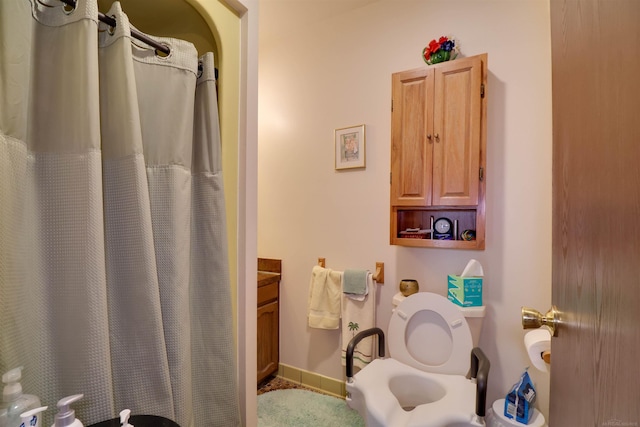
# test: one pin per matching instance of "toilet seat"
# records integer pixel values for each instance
(430, 333)
(452, 404)
(424, 382)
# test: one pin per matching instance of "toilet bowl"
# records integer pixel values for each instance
(424, 381)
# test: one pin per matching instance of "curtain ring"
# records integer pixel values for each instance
(112, 29)
(43, 4)
(68, 9)
(160, 54)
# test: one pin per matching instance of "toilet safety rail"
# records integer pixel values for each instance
(354, 342)
(480, 371)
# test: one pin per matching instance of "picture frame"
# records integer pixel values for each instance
(350, 148)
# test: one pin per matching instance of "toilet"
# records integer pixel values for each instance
(424, 381)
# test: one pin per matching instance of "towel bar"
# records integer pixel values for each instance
(378, 276)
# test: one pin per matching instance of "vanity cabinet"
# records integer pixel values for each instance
(438, 152)
(268, 322)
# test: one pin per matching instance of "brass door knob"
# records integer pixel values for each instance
(532, 319)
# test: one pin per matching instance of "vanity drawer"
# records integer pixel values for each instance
(267, 293)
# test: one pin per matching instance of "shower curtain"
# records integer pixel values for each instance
(113, 262)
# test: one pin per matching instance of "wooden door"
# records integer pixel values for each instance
(456, 131)
(595, 373)
(411, 142)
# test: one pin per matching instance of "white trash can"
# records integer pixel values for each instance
(496, 418)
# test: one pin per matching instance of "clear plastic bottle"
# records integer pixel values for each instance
(14, 402)
(32, 417)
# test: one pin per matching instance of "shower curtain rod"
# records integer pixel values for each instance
(134, 33)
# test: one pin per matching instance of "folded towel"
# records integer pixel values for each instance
(358, 316)
(355, 282)
(325, 292)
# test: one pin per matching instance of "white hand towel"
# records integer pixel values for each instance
(325, 291)
(358, 316)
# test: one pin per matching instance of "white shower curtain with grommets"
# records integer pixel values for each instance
(114, 271)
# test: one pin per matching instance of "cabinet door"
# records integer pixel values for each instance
(456, 132)
(268, 343)
(411, 124)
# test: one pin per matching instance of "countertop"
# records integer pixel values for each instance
(269, 271)
(267, 277)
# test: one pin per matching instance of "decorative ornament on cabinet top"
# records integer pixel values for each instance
(444, 49)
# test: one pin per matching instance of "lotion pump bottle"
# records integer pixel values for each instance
(67, 416)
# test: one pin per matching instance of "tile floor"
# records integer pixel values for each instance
(277, 383)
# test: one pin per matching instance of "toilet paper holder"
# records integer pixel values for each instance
(533, 319)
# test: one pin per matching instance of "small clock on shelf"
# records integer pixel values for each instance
(443, 229)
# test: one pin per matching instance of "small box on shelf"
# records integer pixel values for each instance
(414, 233)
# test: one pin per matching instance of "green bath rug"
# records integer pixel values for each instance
(303, 408)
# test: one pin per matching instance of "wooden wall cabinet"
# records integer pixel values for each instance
(438, 152)
(268, 323)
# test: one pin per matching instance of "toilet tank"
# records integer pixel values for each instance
(475, 317)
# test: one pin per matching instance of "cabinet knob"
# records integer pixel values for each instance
(437, 137)
(429, 136)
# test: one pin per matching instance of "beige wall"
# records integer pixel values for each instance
(337, 73)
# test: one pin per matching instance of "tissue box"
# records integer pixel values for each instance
(465, 291)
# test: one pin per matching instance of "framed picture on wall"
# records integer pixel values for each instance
(350, 147)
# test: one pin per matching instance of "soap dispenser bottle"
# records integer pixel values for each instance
(67, 416)
(124, 418)
(14, 401)
(32, 417)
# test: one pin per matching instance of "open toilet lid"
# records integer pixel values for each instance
(428, 332)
